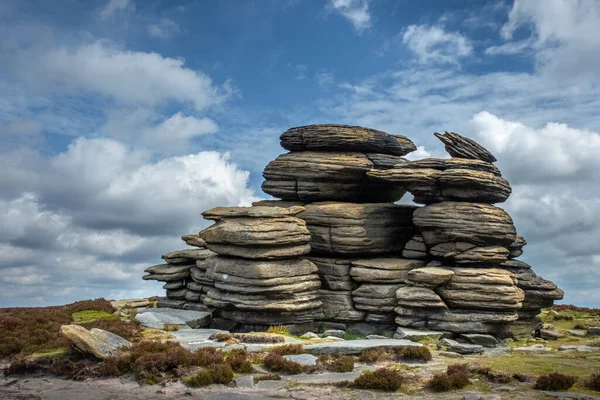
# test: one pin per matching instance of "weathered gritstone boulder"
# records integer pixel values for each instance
(468, 253)
(383, 270)
(334, 272)
(415, 248)
(436, 180)
(456, 321)
(482, 289)
(429, 276)
(322, 176)
(194, 240)
(186, 256)
(289, 302)
(333, 137)
(516, 247)
(338, 306)
(167, 273)
(256, 232)
(461, 147)
(376, 298)
(419, 297)
(476, 223)
(357, 229)
(539, 292)
(272, 318)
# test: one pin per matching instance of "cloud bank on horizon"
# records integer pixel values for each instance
(121, 120)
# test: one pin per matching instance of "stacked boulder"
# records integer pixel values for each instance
(357, 233)
(180, 276)
(469, 284)
(260, 276)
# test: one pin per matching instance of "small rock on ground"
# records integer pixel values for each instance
(309, 335)
(334, 332)
(484, 340)
(246, 381)
(302, 359)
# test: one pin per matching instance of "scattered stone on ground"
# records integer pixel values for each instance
(160, 317)
(96, 342)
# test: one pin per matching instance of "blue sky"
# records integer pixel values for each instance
(122, 120)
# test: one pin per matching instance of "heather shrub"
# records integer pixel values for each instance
(455, 377)
(384, 379)
(276, 363)
(555, 381)
(268, 377)
(287, 349)
(593, 382)
(341, 364)
(373, 356)
(421, 353)
(238, 360)
(207, 356)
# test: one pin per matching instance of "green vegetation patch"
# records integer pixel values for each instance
(81, 317)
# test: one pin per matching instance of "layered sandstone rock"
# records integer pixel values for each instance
(259, 276)
(336, 249)
(435, 180)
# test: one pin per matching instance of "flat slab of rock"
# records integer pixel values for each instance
(581, 349)
(594, 330)
(334, 137)
(159, 317)
(130, 303)
(538, 348)
(356, 346)
(193, 339)
(302, 359)
(416, 335)
(484, 340)
(461, 348)
(325, 378)
(96, 342)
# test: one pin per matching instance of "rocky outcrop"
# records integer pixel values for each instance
(336, 251)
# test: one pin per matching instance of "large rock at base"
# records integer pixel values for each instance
(462, 147)
(310, 176)
(449, 221)
(272, 318)
(338, 306)
(357, 229)
(293, 302)
(383, 270)
(333, 137)
(96, 342)
(334, 272)
(356, 346)
(457, 321)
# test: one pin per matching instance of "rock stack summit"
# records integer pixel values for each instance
(336, 252)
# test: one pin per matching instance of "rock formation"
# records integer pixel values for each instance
(336, 250)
